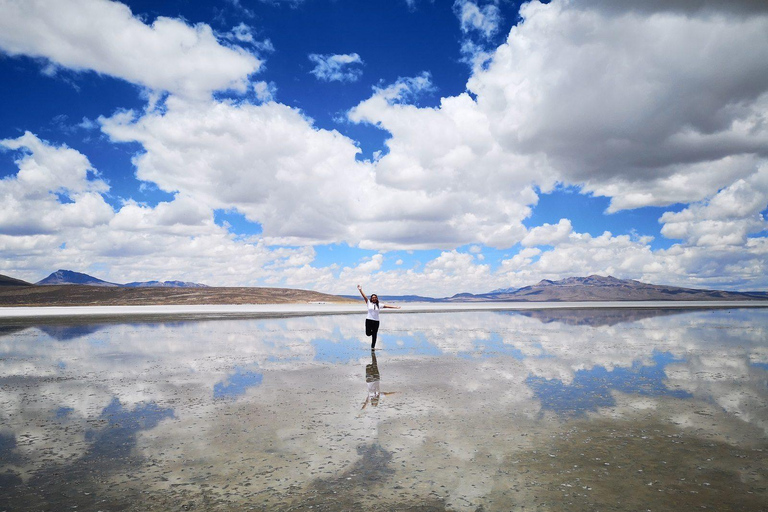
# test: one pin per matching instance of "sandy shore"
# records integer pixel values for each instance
(271, 310)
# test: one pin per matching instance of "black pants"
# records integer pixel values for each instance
(372, 329)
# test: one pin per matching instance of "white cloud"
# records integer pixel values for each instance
(371, 265)
(403, 90)
(584, 254)
(304, 184)
(725, 267)
(742, 7)
(451, 152)
(728, 218)
(242, 33)
(483, 20)
(264, 91)
(56, 187)
(336, 68)
(105, 37)
(267, 161)
(519, 261)
(564, 100)
(645, 109)
(548, 234)
(53, 215)
(449, 273)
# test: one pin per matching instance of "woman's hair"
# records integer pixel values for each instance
(375, 304)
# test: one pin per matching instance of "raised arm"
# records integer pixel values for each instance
(360, 289)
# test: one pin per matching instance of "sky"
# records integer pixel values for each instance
(410, 146)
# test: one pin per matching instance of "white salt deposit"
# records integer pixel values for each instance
(328, 308)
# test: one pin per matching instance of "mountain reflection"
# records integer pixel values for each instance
(596, 317)
(7, 330)
(70, 332)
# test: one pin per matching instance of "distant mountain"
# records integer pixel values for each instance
(69, 277)
(585, 289)
(164, 284)
(600, 288)
(572, 289)
(12, 281)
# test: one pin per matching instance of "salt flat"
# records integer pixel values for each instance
(533, 409)
(328, 308)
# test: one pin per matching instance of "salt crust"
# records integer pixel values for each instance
(329, 308)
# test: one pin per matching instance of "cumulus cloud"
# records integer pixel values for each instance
(681, 6)
(474, 18)
(564, 100)
(445, 275)
(548, 234)
(304, 185)
(449, 150)
(621, 102)
(55, 187)
(728, 218)
(53, 215)
(336, 68)
(105, 37)
(268, 161)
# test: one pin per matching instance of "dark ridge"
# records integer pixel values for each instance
(12, 281)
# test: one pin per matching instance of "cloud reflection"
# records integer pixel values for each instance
(287, 392)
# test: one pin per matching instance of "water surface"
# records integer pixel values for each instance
(524, 410)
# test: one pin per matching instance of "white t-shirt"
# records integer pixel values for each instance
(373, 389)
(373, 311)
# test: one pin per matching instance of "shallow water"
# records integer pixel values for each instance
(526, 410)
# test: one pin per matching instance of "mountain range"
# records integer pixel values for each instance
(572, 289)
(61, 277)
(590, 288)
(609, 288)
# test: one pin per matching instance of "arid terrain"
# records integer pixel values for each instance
(79, 295)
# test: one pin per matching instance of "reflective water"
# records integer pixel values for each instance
(532, 410)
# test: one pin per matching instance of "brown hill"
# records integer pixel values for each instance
(82, 295)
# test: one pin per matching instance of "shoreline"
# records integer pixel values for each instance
(191, 311)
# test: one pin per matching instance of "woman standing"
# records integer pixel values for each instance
(372, 320)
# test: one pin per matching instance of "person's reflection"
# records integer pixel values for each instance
(372, 379)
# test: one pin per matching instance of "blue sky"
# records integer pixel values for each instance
(412, 146)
